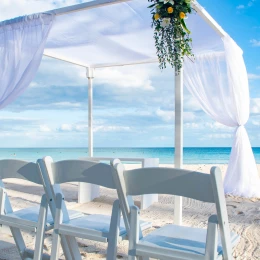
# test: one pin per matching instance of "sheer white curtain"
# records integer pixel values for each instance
(218, 80)
(22, 42)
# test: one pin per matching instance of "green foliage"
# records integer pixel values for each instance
(172, 37)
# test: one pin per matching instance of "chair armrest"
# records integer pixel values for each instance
(116, 214)
(212, 238)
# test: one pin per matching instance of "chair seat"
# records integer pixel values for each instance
(100, 223)
(188, 239)
(32, 213)
(95, 222)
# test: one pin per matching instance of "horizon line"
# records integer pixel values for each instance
(125, 147)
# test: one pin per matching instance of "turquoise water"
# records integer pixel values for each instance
(191, 155)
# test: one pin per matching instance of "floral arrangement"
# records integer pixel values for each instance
(172, 37)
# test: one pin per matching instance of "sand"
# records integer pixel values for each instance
(244, 217)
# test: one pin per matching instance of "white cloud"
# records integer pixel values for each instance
(100, 128)
(255, 43)
(111, 129)
(57, 73)
(193, 125)
(240, 7)
(65, 128)
(218, 126)
(188, 116)
(250, 3)
(33, 84)
(126, 77)
(191, 104)
(253, 76)
(161, 138)
(257, 123)
(44, 128)
(255, 106)
(81, 128)
(73, 128)
(167, 116)
(34, 135)
(215, 126)
(219, 136)
(66, 105)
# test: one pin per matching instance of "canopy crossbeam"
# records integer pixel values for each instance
(84, 6)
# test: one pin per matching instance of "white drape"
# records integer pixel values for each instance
(22, 42)
(218, 80)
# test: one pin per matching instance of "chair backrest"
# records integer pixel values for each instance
(55, 173)
(167, 181)
(18, 169)
(80, 171)
(172, 181)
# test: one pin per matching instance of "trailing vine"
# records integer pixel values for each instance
(172, 37)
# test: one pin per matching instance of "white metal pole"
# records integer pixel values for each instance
(86, 191)
(178, 158)
(90, 76)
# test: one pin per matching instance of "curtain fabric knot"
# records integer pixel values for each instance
(220, 84)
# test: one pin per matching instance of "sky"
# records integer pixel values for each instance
(133, 105)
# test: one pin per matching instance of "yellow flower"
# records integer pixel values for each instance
(170, 10)
(156, 16)
(182, 15)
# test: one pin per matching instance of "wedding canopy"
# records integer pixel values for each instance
(118, 34)
(106, 33)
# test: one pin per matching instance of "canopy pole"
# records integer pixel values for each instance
(90, 76)
(178, 156)
(87, 192)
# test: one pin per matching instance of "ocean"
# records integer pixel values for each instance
(192, 155)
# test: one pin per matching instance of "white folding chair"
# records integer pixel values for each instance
(30, 219)
(172, 241)
(68, 243)
(95, 227)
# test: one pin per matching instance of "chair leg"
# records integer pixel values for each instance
(41, 229)
(134, 232)
(18, 238)
(17, 235)
(114, 231)
(65, 247)
(55, 245)
(74, 248)
(55, 235)
(69, 244)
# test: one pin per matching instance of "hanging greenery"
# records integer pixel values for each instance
(172, 37)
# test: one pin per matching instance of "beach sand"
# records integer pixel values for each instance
(244, 217)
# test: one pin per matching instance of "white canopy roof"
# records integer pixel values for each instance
(103, 34)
